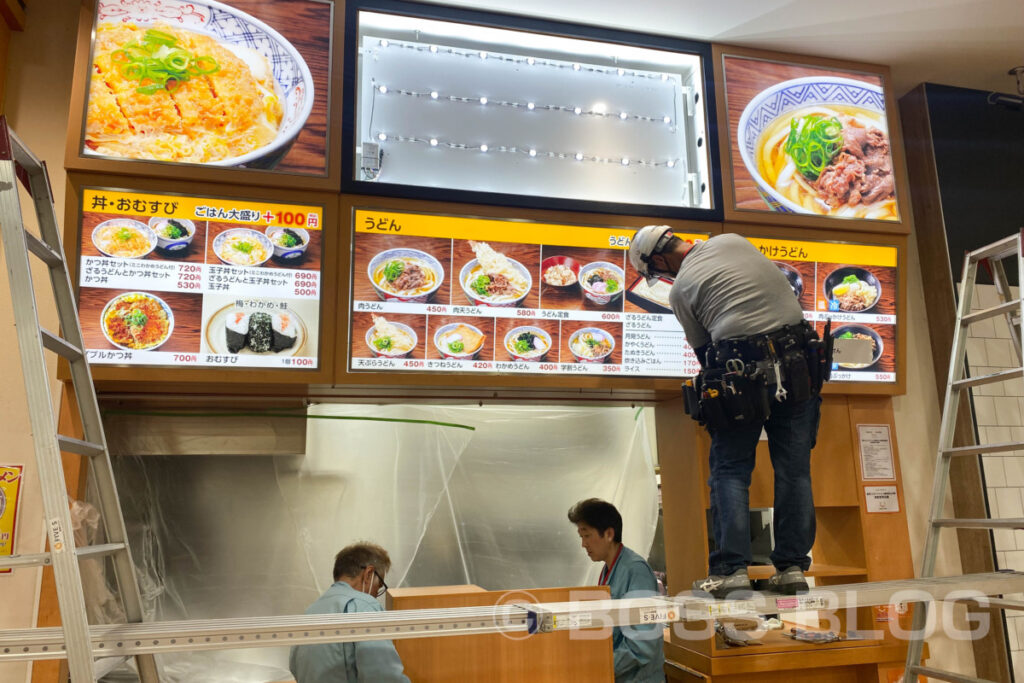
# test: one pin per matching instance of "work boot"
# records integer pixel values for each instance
(721, 587)
(788, 582)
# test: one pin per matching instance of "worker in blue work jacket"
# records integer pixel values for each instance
(637, 649)
(359, 572)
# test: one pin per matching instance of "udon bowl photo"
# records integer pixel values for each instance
(591, 345)
(459, 341)
(242, 247)
(852, 289)
(201, 83)
(796, 281)
(290, 244)
(387, 339)
(137, 321)
(406, 275)
(602, 282)
(173, 235)
(124, 238)
(860, 332)
(527, 343)
(493, 279)
(820, 145)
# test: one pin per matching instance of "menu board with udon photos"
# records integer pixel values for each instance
(170, 280)
(452, 294)
(854, 286)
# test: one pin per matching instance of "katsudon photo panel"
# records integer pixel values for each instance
(809, 142)
(239, 85)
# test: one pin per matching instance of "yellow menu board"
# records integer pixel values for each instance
(10, 490)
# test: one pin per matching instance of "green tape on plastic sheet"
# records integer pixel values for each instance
(304, 416)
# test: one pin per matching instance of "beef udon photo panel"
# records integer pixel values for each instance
(810, 141)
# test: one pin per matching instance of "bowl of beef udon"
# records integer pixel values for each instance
(406, 275)
(865, 333)
(796, 281)
(820, 146)
(852, 289)
(493, 279)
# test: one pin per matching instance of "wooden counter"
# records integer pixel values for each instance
(562, 657)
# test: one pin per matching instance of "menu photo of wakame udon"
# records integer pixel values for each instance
(809, 144)
(208, 83)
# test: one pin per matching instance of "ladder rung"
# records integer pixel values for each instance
(60, 346)
(997, 250)
(994, 603)
(49, 256)
(34, 560)
(979, 449)
(99, 550)
(940, 675)
(1000, 376)
(71, 445)
(1001, 309)
(1007, 523)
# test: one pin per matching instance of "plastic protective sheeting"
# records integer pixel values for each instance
(252, 536)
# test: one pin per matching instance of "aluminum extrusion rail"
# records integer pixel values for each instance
(118, 640)
(687, 607)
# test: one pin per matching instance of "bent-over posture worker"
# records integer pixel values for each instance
(359, 571)
(638, 650)
(763, 367)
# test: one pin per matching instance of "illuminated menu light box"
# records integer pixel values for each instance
(176, 281)
(467, 107)
(805, 140)
(236, 85)
(853, 285)
(557, 303)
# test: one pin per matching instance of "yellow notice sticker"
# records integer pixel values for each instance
(240, 211)
(10, 490)
(498, 230)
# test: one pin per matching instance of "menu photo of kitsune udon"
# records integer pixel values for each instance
(240, 85)
(809, 140)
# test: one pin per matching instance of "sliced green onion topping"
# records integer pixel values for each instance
(159, 63)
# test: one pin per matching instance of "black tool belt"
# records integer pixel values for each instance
(742, 377)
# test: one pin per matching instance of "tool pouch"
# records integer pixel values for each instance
(691, 398)
(797, 373)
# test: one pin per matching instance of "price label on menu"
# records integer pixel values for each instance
(199, 281)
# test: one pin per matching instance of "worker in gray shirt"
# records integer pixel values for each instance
(763, 368)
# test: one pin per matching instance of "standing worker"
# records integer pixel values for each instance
(637, 650)
(359, 571)
(763, 368)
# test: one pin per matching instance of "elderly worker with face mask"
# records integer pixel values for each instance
(359, 571)
(638, 650)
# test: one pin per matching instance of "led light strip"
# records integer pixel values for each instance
(528, 106)
(384, 43)
(527, 151)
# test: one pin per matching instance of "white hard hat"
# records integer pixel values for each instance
(647, 241)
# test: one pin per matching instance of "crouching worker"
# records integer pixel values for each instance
(359, 571)
(637, 649)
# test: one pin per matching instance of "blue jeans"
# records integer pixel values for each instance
(792, 432)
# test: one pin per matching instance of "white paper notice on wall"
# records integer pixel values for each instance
(882, 498)
(855, 351)
(876, 452)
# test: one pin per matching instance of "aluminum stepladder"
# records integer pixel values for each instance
(17, 163)
(991, 256)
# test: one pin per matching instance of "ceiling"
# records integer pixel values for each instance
(967, 43)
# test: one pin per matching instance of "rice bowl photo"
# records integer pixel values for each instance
(137, 321)
(212, 86)
(243, 247)
(124, 238)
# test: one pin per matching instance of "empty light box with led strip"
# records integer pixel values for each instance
(469, 106)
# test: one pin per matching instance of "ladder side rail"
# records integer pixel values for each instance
(1017, 331)
(1005, 295)
(48, 459)
(101, 467)
(947, 429)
